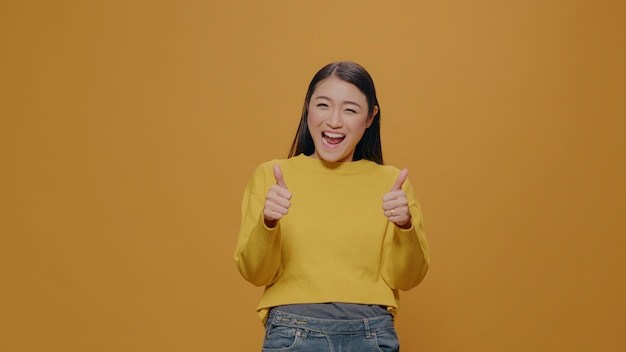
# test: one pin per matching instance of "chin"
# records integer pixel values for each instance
(334, 158)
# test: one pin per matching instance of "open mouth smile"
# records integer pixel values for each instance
(333, 138)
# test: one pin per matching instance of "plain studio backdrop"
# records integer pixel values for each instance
(129, 129)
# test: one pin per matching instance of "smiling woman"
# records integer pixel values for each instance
(337, 119)
(333, 260)
(351, 89)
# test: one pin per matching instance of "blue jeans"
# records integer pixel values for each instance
(291, 332)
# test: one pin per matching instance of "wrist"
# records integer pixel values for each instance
(270, 224)
(406, 226)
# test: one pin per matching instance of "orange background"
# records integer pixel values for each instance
(128, 131)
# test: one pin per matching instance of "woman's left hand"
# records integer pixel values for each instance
(396, 205)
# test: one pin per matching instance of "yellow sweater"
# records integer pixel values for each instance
(335, 244)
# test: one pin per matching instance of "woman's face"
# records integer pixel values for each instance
(337, 119)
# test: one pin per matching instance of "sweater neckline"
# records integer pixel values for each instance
(348, 167)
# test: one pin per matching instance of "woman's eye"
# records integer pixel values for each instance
(322, 105)
(350, 111)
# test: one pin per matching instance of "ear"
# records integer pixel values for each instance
(371, 118)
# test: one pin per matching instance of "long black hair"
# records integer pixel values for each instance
(369, 147)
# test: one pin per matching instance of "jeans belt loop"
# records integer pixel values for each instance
(368, 334)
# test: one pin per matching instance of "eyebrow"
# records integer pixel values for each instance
(345, 102)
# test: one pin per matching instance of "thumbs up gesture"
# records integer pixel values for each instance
(277, 200)
(396, 205)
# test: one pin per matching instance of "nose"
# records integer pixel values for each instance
(334, 120)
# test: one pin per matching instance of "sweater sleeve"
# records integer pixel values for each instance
(258, 252)
(406, 255)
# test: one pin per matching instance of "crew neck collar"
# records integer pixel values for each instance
(347, 167)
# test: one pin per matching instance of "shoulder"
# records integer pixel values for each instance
(390, 174)
(390, 169)
(386, 170)
(265, 170)
(268, 166)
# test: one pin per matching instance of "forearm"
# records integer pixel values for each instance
(258, 254)
(405, 257)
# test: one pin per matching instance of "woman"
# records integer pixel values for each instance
(331, 232)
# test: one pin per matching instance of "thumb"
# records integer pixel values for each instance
(400, 181)
(278, 176)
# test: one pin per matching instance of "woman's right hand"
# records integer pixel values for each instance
(277, 200)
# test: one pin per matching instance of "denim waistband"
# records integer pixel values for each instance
(330, 326)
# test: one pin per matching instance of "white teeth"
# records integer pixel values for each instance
(333, 135)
